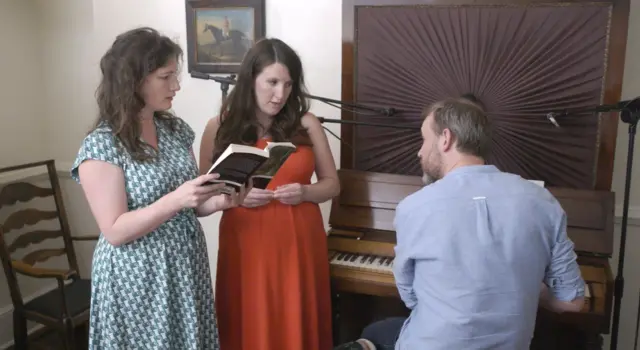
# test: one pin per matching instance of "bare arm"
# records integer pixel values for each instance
(207, 144)
(549, 302)
(328, 184)
(104, 188)
(206, 156)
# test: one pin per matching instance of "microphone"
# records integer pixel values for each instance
(228, 80)
(552, 119)
(224, 82)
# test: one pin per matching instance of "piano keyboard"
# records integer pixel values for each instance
(373, 263)
(383, 264)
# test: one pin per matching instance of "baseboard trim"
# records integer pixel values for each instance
(37, 328)
(634, 211)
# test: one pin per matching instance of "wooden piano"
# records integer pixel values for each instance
(361, 250)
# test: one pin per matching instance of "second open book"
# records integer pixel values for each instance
(239, 164)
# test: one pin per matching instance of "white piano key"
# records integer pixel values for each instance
(587, 292)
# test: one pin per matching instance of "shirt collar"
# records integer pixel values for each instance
(474, 169)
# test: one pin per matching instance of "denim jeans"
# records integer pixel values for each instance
(384, 334)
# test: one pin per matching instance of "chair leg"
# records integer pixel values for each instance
(19, 331)
(69, 335)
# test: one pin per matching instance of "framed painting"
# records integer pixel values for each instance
(220, 32)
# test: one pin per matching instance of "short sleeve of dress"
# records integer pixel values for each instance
(101, 145)
(185, 133)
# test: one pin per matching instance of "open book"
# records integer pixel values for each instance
(239, 164)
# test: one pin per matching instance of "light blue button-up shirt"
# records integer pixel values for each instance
(472, 250)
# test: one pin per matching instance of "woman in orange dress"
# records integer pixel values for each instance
(272, 285)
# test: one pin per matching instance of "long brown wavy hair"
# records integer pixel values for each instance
(133, 56)
(238, 112)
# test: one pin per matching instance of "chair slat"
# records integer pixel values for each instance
(22, 192)
(33, 237)
(25, 217)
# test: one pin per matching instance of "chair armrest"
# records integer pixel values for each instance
(85, 238)
(39, 272)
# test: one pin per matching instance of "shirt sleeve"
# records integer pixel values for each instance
(403, 263)
(185, 133)
(99, 145)
(563, 275)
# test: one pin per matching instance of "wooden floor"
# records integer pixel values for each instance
(49, 340)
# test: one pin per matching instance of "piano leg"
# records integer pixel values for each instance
(351, 313)
(594, 342)
(335, 303)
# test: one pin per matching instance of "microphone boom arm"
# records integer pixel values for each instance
(354, 122)
(384, 111)
(230, 80)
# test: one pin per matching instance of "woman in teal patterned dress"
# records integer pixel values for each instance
(151, 285)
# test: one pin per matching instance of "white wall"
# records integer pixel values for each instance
(54, 73)
(21, 72)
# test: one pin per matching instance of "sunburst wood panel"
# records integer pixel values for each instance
(521, 61)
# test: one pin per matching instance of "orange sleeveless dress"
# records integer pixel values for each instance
(272, 282)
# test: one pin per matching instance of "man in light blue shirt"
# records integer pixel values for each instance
(478, 250)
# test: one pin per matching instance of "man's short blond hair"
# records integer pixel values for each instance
(467, 121)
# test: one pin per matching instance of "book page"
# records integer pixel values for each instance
(277, 156)
(237, 167)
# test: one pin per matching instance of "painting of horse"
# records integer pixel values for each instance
(224, 35)
(219, 33)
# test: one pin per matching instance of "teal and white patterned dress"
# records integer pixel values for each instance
(154, 292)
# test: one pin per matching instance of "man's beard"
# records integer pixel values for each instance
(427, 179)
(432, 171)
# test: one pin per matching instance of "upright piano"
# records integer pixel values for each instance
(361, 244)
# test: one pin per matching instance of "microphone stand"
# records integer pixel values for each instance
(224, 82)
(630, 114)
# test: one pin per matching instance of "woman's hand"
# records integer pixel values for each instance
(291, 194)
(228, 201)
(193, 193)
(257, 197)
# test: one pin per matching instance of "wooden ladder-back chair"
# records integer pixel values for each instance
(62, 308)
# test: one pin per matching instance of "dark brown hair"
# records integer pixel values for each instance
(238, 112)
(468, 123)
(131, 58)
(473, 99)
